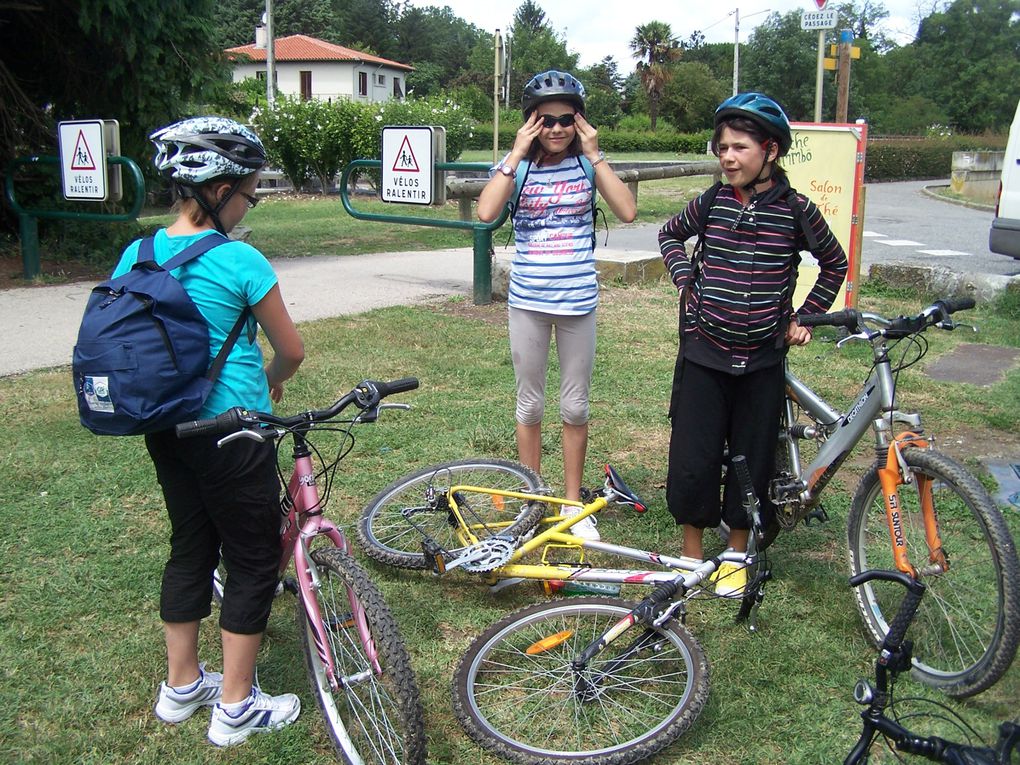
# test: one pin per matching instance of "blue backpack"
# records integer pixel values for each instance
(141, 363)
(589, 172)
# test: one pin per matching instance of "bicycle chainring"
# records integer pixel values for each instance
(486, 555)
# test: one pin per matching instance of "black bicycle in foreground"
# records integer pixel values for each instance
(880, 716)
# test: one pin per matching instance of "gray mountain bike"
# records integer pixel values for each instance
(915, 510)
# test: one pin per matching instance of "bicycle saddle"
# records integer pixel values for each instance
(626, 496)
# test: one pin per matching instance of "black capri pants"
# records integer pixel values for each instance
(711, 409)
(219, 499)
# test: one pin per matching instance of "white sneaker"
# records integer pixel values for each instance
(585, 528)
(175, 705)
(259, 713)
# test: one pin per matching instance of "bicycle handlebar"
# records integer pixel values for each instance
(900, 326)
(366, 395)
(905, 614)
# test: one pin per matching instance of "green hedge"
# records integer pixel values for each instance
(903, 159)
(609, 140)
(888, 159)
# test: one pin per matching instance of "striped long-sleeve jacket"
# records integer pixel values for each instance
(738, 306)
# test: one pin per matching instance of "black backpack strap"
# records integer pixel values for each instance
(708, 199)
(221, 358)
(801, 217)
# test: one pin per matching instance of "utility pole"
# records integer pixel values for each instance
(496, 79)
(270, 57)
(736, 45)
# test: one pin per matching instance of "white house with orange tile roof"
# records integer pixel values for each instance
(313, 68)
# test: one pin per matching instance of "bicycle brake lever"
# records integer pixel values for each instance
(253, 435)
(856, 336)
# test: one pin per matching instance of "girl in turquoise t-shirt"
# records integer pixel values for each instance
(222, 502)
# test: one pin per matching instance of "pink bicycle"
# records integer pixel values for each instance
(357, 662)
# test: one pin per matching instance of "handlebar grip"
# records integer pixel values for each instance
(952, 305)
(227, 422)
(908, 607)
(848, 318)
(396, 386)
(739, 465)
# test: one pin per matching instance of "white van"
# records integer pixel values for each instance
(1004, 237)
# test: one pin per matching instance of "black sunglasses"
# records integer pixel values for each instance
(252, 201)
(565, 120)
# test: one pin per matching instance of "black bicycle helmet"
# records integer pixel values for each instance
(761, 110)
(552, 86)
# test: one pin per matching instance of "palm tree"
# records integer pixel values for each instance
(656, 48)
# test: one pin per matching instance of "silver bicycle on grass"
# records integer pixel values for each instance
(357, 663)
(915, 510)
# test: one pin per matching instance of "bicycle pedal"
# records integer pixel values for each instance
(289, 584)
(818, 515)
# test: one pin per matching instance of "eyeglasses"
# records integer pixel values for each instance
(252, 201)
(565, 120)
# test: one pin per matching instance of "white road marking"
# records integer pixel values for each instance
(900, 242)
(944, 253)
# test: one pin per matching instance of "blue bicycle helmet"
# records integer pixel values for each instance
(552, 86)
(761, 110)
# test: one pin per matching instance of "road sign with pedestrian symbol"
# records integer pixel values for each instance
(408, 164)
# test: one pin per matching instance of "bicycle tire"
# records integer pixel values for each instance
(388, 537)
(374, 720)
(534, 714)
(968, 626)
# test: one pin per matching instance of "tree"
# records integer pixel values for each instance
(535, 47)
(656, 48)
(967, 61)
(437, 43)
(780, 59)
(143, 63)
(689, 99)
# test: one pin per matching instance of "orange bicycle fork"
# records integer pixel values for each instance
(894, 474)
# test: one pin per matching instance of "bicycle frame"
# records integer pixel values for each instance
(302, 523)
(838, 433)
(558, 535)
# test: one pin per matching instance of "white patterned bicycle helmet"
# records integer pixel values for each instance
(197, 150)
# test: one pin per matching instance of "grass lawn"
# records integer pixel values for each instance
(83, 537)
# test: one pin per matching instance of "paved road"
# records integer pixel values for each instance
(902, 224)
(41, 323)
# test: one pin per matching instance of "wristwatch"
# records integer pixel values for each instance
(508, 171)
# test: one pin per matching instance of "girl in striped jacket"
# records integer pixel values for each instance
(738, 320)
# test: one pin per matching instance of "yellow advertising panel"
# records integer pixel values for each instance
(826, 164)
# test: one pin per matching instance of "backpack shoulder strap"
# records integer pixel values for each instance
(522, 174)
(146, 250)
(707, 200)
(802, 221)
(192, 251)
(221, 358)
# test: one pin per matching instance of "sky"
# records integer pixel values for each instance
(599, 28)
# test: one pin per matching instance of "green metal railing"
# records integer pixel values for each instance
(28, 219)
(482, 232)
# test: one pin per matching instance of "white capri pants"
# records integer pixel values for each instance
(530, 336)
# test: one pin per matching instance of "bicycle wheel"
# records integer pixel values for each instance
(393, 524)
(370, 718)
(966, 631)
(637, 696)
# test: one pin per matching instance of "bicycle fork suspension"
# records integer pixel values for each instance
(895, 473)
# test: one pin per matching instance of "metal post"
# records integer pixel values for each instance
(497, 44)
(819, 75)
(736, 49)
(28, 226)
(483, 266)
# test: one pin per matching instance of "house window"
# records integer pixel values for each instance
(397, 91)
(380, 79)
(362, 84)
(306, 85)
